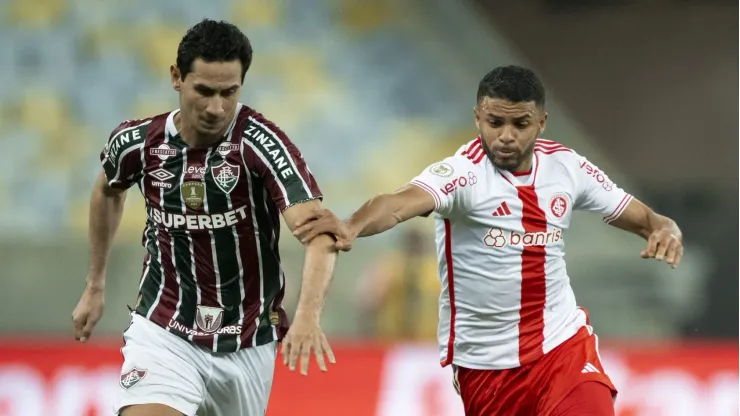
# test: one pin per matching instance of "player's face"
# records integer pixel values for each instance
(209, 95)
(509, 131)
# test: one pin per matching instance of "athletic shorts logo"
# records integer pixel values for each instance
(131, 378)
(225, 175)
(441, 169)
(209, 318)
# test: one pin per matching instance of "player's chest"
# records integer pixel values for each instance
(176, 175)
(511, 205)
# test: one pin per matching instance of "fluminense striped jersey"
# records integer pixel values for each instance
(212, 271)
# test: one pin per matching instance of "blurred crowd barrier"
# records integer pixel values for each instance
(370, 379)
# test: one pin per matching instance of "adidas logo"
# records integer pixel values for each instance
(502, 210)
(590, 368)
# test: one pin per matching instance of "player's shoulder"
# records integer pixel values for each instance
(136, 130)
(253, 124)
(553, 151)
(470, 155)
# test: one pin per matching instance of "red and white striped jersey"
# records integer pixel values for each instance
(506, 296)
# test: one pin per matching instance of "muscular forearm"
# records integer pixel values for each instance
(106, 209)
(376, 216)
(318, 268)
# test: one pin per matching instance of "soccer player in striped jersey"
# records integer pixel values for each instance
(509, 323)
(216, 176)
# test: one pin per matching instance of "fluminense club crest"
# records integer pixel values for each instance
(225, 175)
(132, 377)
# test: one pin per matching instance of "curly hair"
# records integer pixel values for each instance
(512, 83)
(213, 41)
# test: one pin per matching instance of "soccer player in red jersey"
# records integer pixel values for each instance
(216, 175)
(509, 323)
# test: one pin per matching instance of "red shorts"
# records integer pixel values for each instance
(535, 388)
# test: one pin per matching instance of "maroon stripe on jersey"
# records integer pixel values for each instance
(451, 294)
(533, 290)
(205, 273)
(165, 307)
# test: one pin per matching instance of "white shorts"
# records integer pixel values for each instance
(160, 367)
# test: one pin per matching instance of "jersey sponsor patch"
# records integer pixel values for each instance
(209, 318)
(441, 169)
(195, 222)
(266, 142)
(460, 182)
(193, 193)
(163, 151)
(499, 238)
(225, 148)
(597, 175)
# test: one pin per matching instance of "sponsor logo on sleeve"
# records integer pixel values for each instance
(597, 175)
(460, 182)
(441, 169)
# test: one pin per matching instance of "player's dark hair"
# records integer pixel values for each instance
(512, 83)
(213, 41)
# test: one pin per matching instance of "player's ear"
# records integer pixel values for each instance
(175, 77)
(543, 122)
(476, 117)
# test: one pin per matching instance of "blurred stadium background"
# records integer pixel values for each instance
(372, 92)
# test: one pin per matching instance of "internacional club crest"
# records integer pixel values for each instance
(225, 175)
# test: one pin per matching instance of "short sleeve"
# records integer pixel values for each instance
(270, 155)
(450, 182)
(121, 156)
(596, 192)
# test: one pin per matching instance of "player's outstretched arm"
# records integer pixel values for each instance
(305, 335)
(375, 216)
(664, 238)
(106, 209)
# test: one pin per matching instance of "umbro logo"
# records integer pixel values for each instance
(161, 175)
(502, 210)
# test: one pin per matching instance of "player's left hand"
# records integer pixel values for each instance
(664, 245)
(303, 337)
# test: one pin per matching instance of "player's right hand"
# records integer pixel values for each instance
(87, 313)
(323, 221)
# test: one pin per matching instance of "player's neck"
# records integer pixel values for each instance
(523, 167)
(189, 135)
